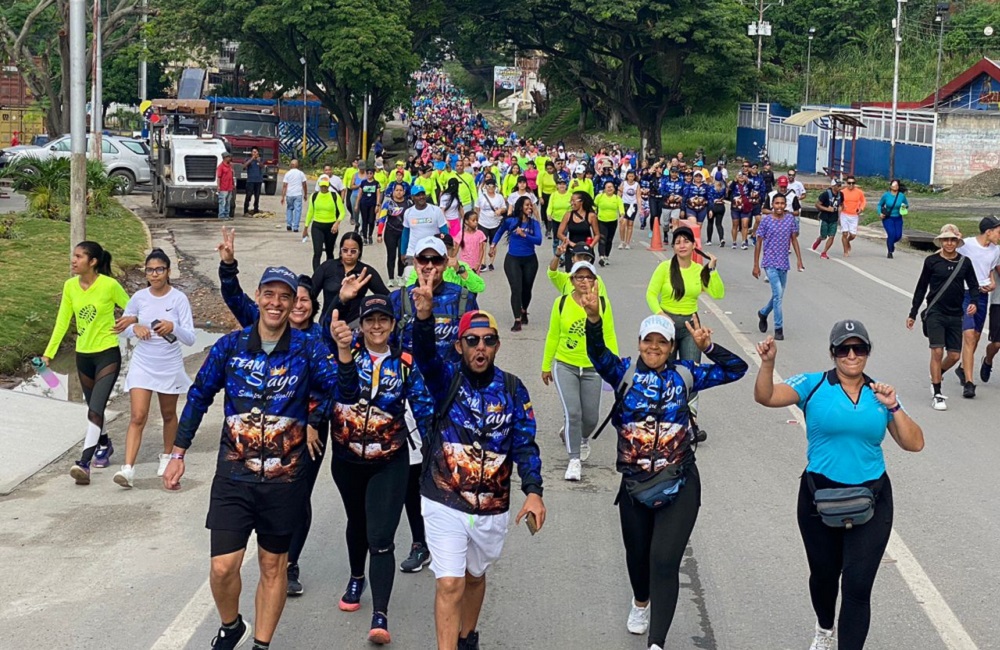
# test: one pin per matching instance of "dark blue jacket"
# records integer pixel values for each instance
(469, 455)
(254, 170)
(267, 402)
(700, 191)
(652, 420)
(447, 300)
(602, 180)
(245, 309)
(670, 188)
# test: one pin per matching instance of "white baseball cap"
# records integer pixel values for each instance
(659, 324)
(577, 266)
(433, 243)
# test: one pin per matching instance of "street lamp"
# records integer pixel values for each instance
(939, 18)
(305, 85)
(898, 38)
(809, 49)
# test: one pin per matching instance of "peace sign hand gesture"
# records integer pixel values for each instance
(423, 297)
(702, 335)
(352, 285)
(227, 247)
(591, 303)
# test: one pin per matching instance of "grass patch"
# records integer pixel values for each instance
(35, 266)
(931, 221)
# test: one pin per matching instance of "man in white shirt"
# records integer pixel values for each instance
(796, 185)
(983, 252)
(294, 187)
(420, 221)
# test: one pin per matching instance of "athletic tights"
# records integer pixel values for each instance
(607, 230)
(324, 239)
(373, 495)
(413, 514)
(393, 263)
(716, 221)
(654, 546)
(521, 272)
(367, 223)
(301, 531)
(98, 373)
(844, 561)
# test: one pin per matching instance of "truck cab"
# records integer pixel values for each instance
(243, 130)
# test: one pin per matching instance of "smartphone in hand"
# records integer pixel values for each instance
(169, 338)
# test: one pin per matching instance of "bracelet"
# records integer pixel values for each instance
(893, 409)
(176, 456)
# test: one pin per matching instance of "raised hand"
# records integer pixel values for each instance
(885, 394)
(340, 331)
(353, 284)
(423, 297)
(227, 247)
(591, 303)
(767, 350)
(702, 335)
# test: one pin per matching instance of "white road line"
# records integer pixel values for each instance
(948, 627)
(186, 624)
(863, 273)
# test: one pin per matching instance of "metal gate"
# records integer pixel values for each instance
(26, 122)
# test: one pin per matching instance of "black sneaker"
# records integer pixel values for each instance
(294, 586)
(969, 391)
(761, 322)
(470, 642)
(960, 374)
(779, 334)
(418, 559)
(351, 600)
(985, 371)
(230, 638)
(524, 316)
(288, 228)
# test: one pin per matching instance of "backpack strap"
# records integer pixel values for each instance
(562, 303)
(687, 377)
(815, 388)
(620, 391)
(510, 384)
(463, 301)
(404, 301)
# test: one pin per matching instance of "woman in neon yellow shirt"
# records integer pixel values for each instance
(90, 298)
(566, 363)
(610, 209)
(546, 188)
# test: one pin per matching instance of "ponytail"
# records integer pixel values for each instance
(676, 279)
(95, 251)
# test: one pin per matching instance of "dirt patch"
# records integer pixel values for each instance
(982, 185)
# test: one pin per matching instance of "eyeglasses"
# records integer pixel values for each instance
(157, 270)
(350, 251)
(859, 350)
(489, 340)
(430, 259)
(584, 278)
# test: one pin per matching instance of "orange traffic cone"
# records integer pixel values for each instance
(696, 229)
(657, 243)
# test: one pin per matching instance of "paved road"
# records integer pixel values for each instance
(116, 569)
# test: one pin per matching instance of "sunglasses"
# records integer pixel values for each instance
(844, 351)
(157, 270)
(350, 251)
(489, 340)
(430, 259)
(850, 182)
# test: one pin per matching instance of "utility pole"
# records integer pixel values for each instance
(143, 67)
(97, 92)
(305, 85)
(809, 51)
(897, 27)
(941, 9)
(78, 122)
(364, 129)
(760, 29)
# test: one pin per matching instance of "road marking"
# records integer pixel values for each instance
(941, 616)
(186, 624)
(862, 272)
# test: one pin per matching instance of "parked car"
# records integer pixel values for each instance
(6, 155)
(124, 158)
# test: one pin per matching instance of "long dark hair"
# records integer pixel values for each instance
(677, 280)
(465, 219)
(95, 251)
(354, 237)
(306, 282)
(158, 254)
(450, 190)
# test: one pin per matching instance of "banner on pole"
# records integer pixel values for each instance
(507, 78)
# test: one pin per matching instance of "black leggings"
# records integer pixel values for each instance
(607, 230)
(366, 226)
(716, 220)
(845, 561)
(324, 239)
(392, 260)
(301, 532)
(521, 272)
(413, 514)
(373, 495)
(654, 547)
(98, 373)
(546, 219)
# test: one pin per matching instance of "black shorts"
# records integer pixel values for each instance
(274, 510)
(994, 335)
(943, 331)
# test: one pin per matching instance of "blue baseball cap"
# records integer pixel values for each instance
(280, 274)
(417, 189)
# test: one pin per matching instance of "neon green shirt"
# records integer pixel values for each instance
(509, 184)
(467, 189)
(94, 310)
(325, 207)
(546, 182)
(609, 208)
(660, 296)
(566, 340)
(474, 283)
(559, 205)
(578, 184)
(430, 186)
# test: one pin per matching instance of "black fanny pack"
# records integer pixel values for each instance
(660, 489)
(844, 507)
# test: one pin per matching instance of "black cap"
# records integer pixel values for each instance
(683, 230)
(376, 305)
(582, 249)
(989, 223)
(847, 329)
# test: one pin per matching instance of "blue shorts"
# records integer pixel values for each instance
(978, 320)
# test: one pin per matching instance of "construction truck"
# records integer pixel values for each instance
(184, 157)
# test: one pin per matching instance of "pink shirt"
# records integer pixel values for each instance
(470, 253)
(532, 176)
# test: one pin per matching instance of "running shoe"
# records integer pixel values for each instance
(779, 334)
(960, 374)
(722, 243)
(753, 240)
(584, 449)
(742, 246)
(351, 600)
(164, 461)
(229, 638)
(419, 558)
(102, 457)
(492, 268)
(379, 634)
(655, 647)
(482, 269)
(824, 256)
(969, 391)
(816, 244)
(628, 247)
(524, 316)
(80, 472)
(600, 261)
(823, 640)
(621, 246)
(125, 476)
(516, 327)
(470, 642)
(938, 402)
(761, 322)
(573, 470)
(734, 246)
(294, 584)
(985, 371)
(638, 619)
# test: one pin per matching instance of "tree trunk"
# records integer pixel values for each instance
(614, 120)
(584, 109)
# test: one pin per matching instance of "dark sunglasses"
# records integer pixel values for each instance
(844, 351)
(432, 259)
(489, 340)
(850, 182)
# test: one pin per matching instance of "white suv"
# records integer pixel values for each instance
(124, 158)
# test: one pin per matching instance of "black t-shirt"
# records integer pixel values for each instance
(369, 192)
(935, 273)
(829, 200)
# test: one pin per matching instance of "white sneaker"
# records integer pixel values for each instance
(573, 470)
(164, 461)
(824, 639)
(628, 247)
(125, 476)
(584, 449)
(621, 246)
(638, 619)
(938, 403)
(655, 647)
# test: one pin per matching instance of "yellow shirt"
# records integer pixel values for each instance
(558, 206)
(660, 293)
(94, 310)
(609, 208)
(582, 185)
(566, 340)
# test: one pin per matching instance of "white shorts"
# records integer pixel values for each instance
(849, 224)
(461, 542)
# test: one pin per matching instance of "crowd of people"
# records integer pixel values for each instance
(396, 380)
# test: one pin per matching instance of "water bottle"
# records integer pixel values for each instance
(45, 372)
